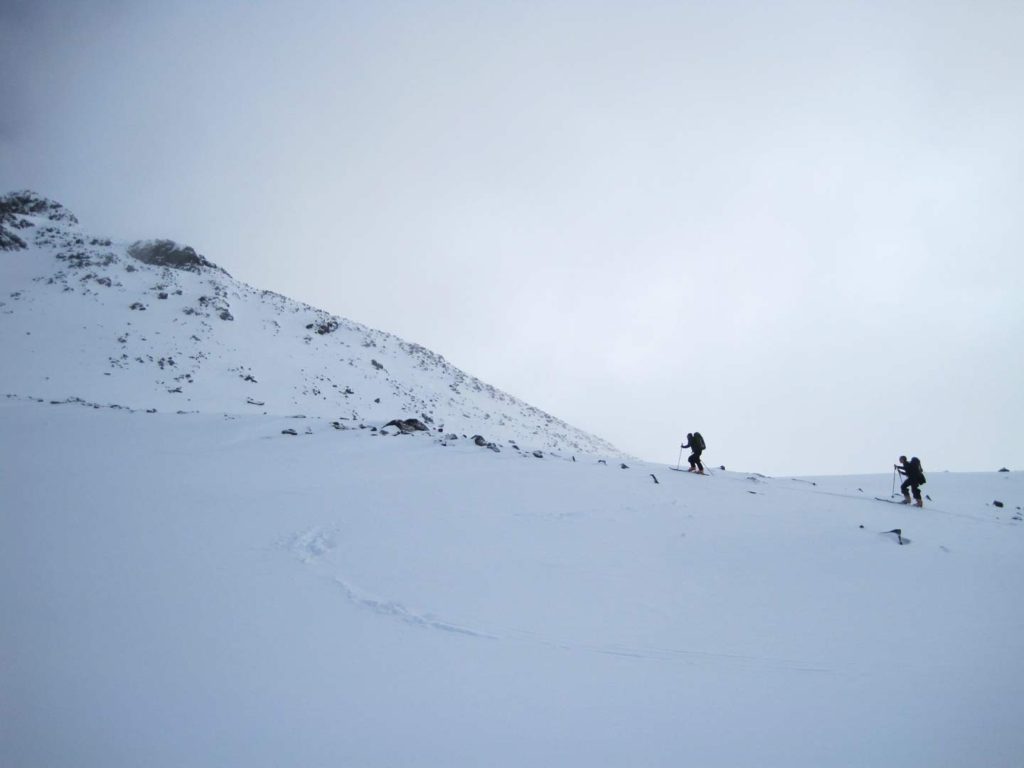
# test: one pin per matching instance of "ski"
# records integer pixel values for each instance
(684, 469)
(893, 501)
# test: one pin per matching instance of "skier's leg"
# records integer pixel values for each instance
(905, 487)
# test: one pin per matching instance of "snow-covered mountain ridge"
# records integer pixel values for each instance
(154, 325)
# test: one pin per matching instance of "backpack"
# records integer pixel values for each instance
(915, 464)
(698, 442)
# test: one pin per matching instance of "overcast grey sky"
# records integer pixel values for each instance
(794, 226)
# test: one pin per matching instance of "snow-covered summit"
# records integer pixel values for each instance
(155, 325)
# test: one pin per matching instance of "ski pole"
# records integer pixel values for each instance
(893, 494)
(680, 459)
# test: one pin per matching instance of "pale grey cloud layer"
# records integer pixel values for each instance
(793, 226)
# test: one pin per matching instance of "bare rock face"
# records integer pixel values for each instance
(167, 253)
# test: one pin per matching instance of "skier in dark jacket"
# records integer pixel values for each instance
(914, 475)
(695, 443)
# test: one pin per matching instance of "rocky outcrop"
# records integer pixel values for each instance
(29, 203)
(167, 253)
(14, 206)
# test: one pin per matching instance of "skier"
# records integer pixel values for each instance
(695, 443)
(914, 475)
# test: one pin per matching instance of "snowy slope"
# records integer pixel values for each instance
(206, 591)
(205, 561)
(157, 326)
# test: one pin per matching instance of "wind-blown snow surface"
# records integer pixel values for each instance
(194, 589)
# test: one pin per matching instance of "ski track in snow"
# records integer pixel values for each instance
(927, 509)
(398, 611)
(309, 546)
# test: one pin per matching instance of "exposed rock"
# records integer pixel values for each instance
(29, 203)
(538, 454)
(483, 443)
(1004, 469)
(10, 241)
(623, 466)
(15, 205)
(324, 327)
(289, 432)
(407, 426)
(167, 253)
(998, 504)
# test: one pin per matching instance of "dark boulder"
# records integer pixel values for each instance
(407, 426)
(483, 443)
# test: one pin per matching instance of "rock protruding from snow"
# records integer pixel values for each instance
(29, 203)
(167, 253)
(407, 426)
(15, 206)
